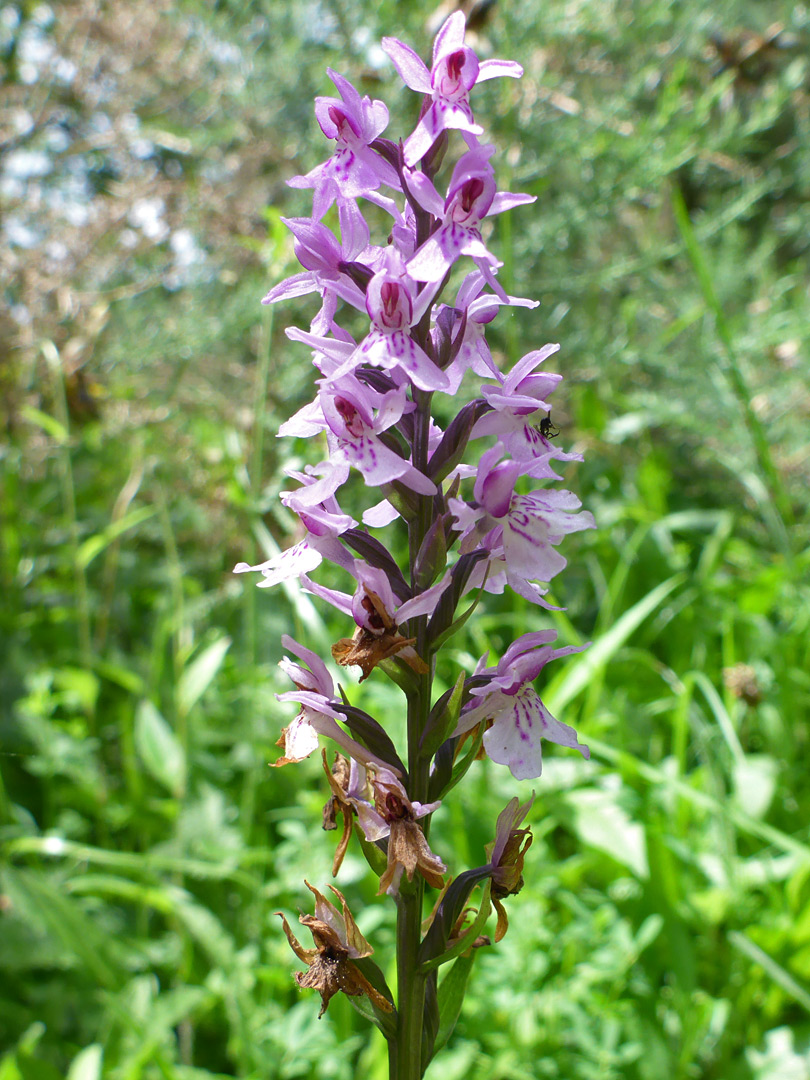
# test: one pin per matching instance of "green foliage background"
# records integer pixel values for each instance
(664, 930)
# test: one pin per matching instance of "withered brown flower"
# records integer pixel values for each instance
(408, 848)
(337, 943)
(377, 641)
(506, 856)
(340, 781)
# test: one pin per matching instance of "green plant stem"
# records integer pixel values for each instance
(405, 1055)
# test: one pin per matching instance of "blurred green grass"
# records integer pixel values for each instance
(664, 929)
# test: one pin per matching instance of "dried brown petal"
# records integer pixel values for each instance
(366, 650)
(408, 851)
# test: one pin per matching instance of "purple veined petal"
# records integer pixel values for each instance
(473, 715)
(416, 363)
(466, 517)
(424, 135)
(347, 91)
(411, 67)
(493, 69)
(458, 116)
(335, 473)
(375, 119)
(323, 721)
(488, 461)
(423, 809)
(297, 285)
(315, 244)
(486, 269)
(475, 247)
(354, 232)
(391, 408)
(379, 465)
(515, 737)
(438, 253)
(450, 36)
(506, 200)
(527, 364)
(374, 825)
(526, 643)
(318, 521)
(417, 481)
(385, 203)
(322, 680)
(380, 515)
(425, 603)
(528, 548)
(424, 300)
(325, 193)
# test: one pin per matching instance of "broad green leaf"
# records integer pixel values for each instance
(159, 749)
(199, 674)
(602, 823)
(755, 778)
(451, 997)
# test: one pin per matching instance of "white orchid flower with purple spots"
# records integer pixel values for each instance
(527, 527)
(478, 309)
(353, 170)
(322, 256)
(520, 720)
(517, 402)
(471, 197)
(394, 305)
(456, 69)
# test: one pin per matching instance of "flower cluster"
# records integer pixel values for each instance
(477, 498)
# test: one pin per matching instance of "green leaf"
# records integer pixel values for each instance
(602, 823)
(446, 722)
(199, 674)
(385, 1021)
(467, 938)
(773, 969)
(159, 749)
(451, 996)
(49, 424)
(579, 673)
(94, 545)
(87, 1064)
(47, 905)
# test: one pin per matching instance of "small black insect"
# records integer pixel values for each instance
(547, 429)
